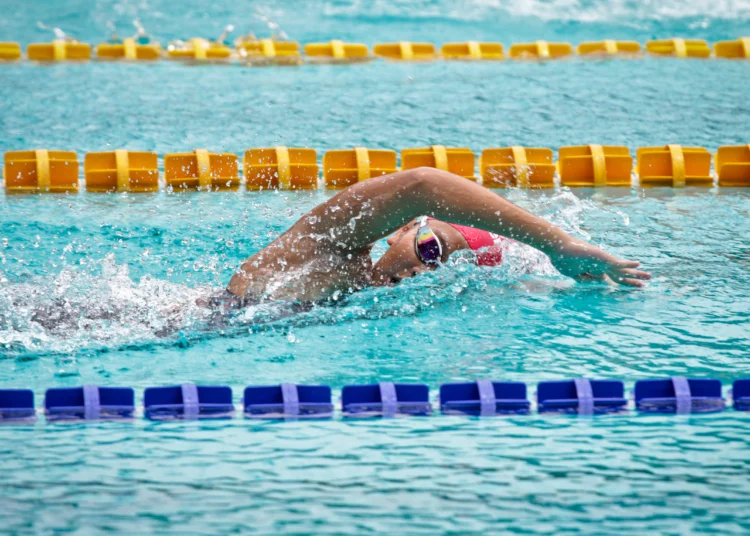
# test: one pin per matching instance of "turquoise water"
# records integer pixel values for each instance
(115, 277)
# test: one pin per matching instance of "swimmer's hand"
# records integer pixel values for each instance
(585, 262)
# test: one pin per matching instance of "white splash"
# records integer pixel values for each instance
(102, 307)
(75, 309)
(629, 12)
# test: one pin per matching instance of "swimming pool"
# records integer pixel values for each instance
(129, 266)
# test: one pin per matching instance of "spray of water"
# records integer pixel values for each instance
(628, 12)
(105, 308)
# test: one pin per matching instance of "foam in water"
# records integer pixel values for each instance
(106, 308)
(77, 310)
(585, 11)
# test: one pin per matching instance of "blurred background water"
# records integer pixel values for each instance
(120, 274)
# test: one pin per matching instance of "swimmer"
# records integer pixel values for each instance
(328, 250)
(59, 34)
(222, 39)
(141, 36)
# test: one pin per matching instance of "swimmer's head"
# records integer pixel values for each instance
(404, 259)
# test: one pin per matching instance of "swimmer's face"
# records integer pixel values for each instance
(400, 259)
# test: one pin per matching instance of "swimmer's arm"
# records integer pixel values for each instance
(373, 209)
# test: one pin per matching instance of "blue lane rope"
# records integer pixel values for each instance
(487, 404)
(190, 402)
(677, 395)
(388, 398)
(585, 396)
(91, 403)
(291, 398)
(683, 398)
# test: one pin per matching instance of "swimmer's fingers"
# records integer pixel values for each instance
(625, 281)
(630, 277)
(634, 274)
(616, 281)
(622, 263)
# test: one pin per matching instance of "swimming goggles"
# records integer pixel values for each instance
(427, 245)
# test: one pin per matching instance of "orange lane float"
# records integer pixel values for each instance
(41, 171)
(674, 165)
(679, 48)
(346, 167)
(59, 50)
(10, 51)
(520, 167)
(405, 51)
(269, 52)
(201, 170)
(609, 47)
(733, 165)
(595, 166)
(458, 160)
(199, 50)
(121, 171)
(130, 50)
(472, 50)
(739, 49)
(337, 52)
(540, 50)
(284, 168)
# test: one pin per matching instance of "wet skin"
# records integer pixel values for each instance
(328, 249)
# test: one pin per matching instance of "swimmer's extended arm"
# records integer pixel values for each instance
(373, 209)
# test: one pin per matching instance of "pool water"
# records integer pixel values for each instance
(101, 288)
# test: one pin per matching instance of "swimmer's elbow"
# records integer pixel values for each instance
(425, 179)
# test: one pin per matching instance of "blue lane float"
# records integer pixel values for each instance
(741, 395)
(188, 401)
(581, 396)
(288, 400)
(385, 399)
(89, 402)
(484, 397)
(679, 395)
(17, 405)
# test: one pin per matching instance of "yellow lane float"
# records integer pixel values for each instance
(202, 170)
(129, 49)
(519, 167)
(679, 48)
(199, 50)
(121, 171)
(739, 49)
(269, 51)
(337, 52)
(405, 51)
(595, 165)
(41, 171)
(472, 50)
(733, 165)
(59, 50)
(10, 51)
(458, 160)
(346, 167)
(540, 50)
(283, 168)
(674, 165)
(277, 50)
(297, 168)
(608, 47)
